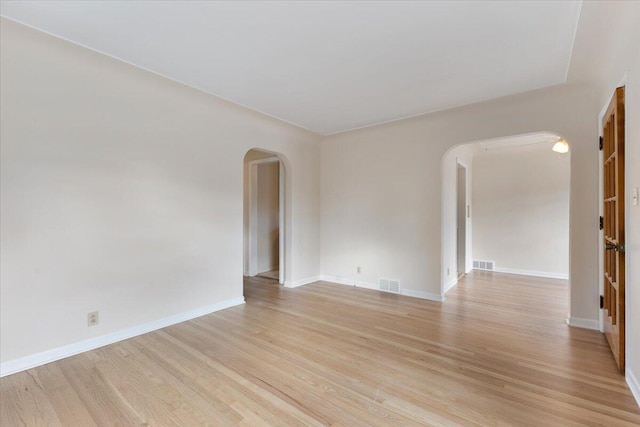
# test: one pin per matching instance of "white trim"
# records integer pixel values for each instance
(281, 221)
(461, 163)
(634, 385)
(301, 282)
(534, 273)
(374, 286)
(333, 279)
(253, 217)
(271, 159)
(449, 285)
(47, 356)
(600, 232)
(601, 214)
(465, 221)
(577, 322)
(349, 282)
(422, 295)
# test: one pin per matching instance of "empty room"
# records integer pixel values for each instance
(354, 213)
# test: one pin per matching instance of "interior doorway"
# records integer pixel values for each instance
(505, 202)
(264, 182)
(461, 216)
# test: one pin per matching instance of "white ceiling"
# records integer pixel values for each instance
(328, 66)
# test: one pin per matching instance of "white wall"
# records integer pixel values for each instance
(381, 188)
(606, 54)
(122, 192)
(521, 209)
(632, 163)
(620, 63)
(268, 216)
(381, 185)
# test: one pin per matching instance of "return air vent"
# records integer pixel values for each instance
(394, 286)
(389, 285)
(483, 265)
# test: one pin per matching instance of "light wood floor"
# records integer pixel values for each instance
(497, 352)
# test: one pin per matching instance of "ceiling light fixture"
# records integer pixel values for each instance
(561, 146)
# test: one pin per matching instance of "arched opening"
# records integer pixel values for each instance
(264, 215)
(505, 208)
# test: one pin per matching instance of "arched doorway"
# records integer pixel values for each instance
(506, 205)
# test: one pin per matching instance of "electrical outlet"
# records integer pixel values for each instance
(358, 269)
(92, 318)
(448, 271)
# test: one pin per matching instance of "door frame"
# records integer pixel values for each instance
(461, 165)
(252, 250)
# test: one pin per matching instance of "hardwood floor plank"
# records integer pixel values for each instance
(96, 391)
(497, 352)
(59, 391)
(29, 404)
(210, 377)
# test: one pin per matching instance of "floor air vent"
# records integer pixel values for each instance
(389, 285)
(483, 265)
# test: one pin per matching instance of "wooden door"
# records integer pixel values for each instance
(613, 225)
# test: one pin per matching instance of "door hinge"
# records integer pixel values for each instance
(601, 302)
(601, 223)
(600, 144)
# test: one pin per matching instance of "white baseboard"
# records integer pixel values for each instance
(534, 273)
(349, 282)
(374, 286)
(450, 284)
(47, 356)
(577, 322)
(422, 295)
(634, 385)
(301, 282)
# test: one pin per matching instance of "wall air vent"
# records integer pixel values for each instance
(389, 285)
(483, 265)
(394, 286)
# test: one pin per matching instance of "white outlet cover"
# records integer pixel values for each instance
(93, 318)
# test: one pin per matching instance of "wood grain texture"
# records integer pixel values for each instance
(613, 131)
(496, 352)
